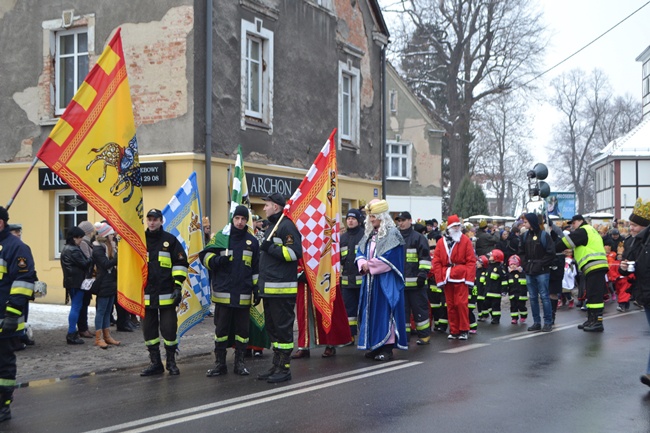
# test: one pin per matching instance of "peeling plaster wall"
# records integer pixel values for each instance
(307, 49)
(157, 35)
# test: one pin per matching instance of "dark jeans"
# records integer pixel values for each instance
(82, 321)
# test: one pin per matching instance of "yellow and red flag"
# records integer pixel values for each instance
(93, 148)
(314, 208)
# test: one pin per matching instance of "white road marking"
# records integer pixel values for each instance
(257, 398)
(465, 348)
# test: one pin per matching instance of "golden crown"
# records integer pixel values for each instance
(642, 209)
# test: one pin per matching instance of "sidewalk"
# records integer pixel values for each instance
(51, 358)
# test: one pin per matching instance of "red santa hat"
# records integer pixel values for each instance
(453, 221)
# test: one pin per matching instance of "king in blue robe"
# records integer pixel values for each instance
(381, 303)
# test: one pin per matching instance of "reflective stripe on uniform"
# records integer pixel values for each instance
(179, 271)
(284, 346)
(289, 254)
(422, 325)
(221, 297)
(288, 288)
(165, 259)
(152, 342)
(411, 281)
(206, 260)
(411, 255)
(167, 299)
(22, 288)
(170, 342)
(247, 257)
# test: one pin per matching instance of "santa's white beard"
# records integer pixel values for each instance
(455, 233)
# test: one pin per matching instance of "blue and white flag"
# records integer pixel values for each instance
(182, 218)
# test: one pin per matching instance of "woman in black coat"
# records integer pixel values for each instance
(75, 266)
(105, 287)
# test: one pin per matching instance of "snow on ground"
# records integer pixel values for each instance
(51, 316)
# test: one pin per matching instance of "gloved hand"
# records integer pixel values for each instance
(256, 296)
(9, 324)
(223, 260)
(266, 245)
(177, 295)
(421, 281)
(302, 277)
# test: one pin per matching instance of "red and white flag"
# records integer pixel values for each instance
(314, 209)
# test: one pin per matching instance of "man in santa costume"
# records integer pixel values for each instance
(454, 269)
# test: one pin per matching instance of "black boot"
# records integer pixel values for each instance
(73, 338)
(240, 367)
(6, 394)
(156, 366)
(283, 372)
(220, 367)
(596, 323)
(587, 322)
(271, 371)
(170, 362)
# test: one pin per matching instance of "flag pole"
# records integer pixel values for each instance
(22, 182)
(270, 236)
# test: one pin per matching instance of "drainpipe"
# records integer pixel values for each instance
(383, 122)
(208, 109)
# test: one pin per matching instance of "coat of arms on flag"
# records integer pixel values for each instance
(182, 218)
(93, 148)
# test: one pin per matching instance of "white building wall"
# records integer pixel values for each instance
(420, 207)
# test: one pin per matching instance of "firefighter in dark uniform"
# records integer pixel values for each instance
(351, 279)
(233, 277)
(416, 268)
(589, 253)
(17, 278)
(167, 271)
(278, 285)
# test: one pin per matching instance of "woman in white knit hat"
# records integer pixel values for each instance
(105, 287)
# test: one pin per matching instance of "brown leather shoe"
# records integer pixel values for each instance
(86, 334)
(329, 351)
(301, 353)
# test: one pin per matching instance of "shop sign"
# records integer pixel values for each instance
(153, 174)
(260, 185)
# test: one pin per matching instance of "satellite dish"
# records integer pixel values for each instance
(544, 188)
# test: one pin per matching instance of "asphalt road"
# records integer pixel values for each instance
(503, 379)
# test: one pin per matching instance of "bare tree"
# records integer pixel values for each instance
(500, 152)
(457, 52)
(591, 118)
(624, 114)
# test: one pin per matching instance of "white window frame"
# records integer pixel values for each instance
(327, 4)
(77, 216)
(349, 139)
(400, 155)
(392, 101)
(255, 31)
(76, 55)
(52, 30)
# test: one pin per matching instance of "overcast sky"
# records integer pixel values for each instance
(573, 24)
